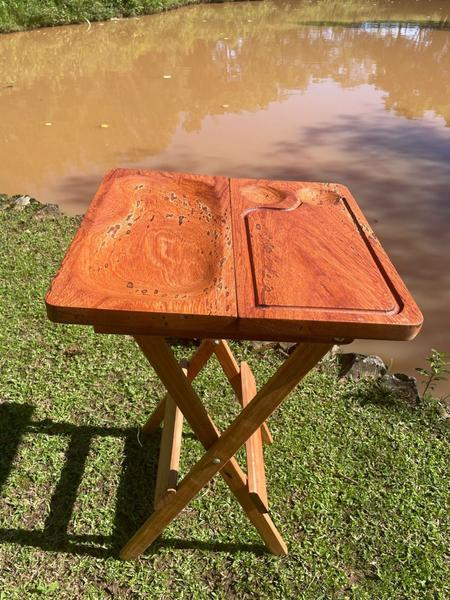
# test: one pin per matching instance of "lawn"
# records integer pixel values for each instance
(358, 478)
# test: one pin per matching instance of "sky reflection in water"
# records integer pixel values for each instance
(251, 93)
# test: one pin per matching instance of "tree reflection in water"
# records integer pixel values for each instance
(253, 91)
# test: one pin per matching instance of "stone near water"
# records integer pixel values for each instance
(4, 201)
(263, 346)
(21, 202)
(360, 366)
(287, 346)
(401, 386)
(48, 211)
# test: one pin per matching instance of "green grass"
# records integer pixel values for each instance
(16, 15)
(358, 479)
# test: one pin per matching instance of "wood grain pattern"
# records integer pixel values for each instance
(169, 253)
(308, 264)
(256, 475)
(154, 248)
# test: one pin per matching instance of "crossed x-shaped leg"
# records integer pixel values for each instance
(220, 448)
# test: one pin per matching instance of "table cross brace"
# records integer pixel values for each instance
(243, 383)
(201, 356)
(220, 448)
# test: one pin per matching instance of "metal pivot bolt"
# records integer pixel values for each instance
(216, 461)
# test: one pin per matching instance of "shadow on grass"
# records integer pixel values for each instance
(134, 495)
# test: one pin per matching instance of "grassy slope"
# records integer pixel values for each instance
(16, 15)
(357, 479)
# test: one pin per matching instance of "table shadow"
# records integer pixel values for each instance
(135, 492)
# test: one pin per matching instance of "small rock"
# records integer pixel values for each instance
(287, 346)
(360, 366)
(402, 386)
(262, 346)
(48, 211)
(331, 355)
(21, 202)
(72, 350)
(444, 412)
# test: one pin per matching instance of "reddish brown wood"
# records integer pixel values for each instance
(308, 264)
(169, 371)
(196, 364)
(229, 364)
(256, 475)
(221, 449)
(169, 452)
(199, 359)
(155, 256)
(232, 372)
(154, 249)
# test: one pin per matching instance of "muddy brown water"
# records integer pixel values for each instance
(249, 90)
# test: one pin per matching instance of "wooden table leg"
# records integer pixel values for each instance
(195, 365)
(205, 430)
(256, 477)
(169, 452)
(232, 372)
(222, 448)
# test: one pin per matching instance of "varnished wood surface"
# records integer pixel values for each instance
(221, 449)
(195, 365)
(188, 255)
(233, 373)
(256, 475)
(154, 248)
(308, 265)
(169, 452)
(170, 373)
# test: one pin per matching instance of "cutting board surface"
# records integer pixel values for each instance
(295, 265)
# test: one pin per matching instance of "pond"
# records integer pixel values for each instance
(273, 89)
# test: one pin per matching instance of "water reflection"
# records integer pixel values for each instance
(247, 90)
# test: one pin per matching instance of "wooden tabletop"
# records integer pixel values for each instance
(196, 256)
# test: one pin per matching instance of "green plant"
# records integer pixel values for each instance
(436, 372)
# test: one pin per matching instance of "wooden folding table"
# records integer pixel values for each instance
(171, 254)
